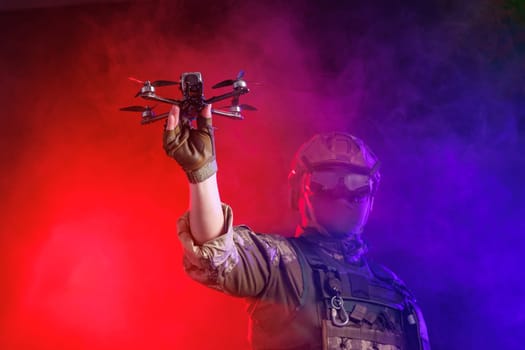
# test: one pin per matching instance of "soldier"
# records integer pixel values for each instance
(316, 290)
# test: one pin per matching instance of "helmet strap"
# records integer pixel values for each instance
(310, 214)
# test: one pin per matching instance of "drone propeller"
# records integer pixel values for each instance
(228, 82)
(155, 83)
(148, 115)
(235, 106)
(147, 111)
(149, 86)
(137, 108)
(223, 84)
(241, 107)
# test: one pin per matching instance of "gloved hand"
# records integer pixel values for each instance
(193, 149)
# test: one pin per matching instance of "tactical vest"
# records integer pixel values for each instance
(356, 304)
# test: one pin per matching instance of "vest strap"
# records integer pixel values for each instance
(330, 332)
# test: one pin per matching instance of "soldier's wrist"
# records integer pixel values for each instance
(203, 173)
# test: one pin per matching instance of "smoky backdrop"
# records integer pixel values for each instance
(89, 201)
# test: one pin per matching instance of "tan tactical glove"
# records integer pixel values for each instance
(193, 149)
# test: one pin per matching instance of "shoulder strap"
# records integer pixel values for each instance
(303, 263)
(315, 260)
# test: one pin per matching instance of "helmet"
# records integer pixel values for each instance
(332, 149)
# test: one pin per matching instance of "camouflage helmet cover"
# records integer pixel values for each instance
(333, 149)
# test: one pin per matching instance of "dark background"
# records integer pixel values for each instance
(89, 255)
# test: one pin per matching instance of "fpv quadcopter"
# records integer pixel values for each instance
(193, 101)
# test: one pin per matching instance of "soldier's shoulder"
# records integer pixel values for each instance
(269, 237)
(268, 241)
(243, 229)
(382, 272)
(388, 276)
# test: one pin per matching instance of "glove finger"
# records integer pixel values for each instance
(204, 120)
(170, 135)
(173, 118)
(172, 126)
(173, 140)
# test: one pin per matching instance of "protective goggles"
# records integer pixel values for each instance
(338, 183)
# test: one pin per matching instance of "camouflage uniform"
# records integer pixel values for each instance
(287, 308)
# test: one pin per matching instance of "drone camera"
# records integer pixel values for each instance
(191, 84)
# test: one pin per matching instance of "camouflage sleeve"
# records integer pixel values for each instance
(239, 262)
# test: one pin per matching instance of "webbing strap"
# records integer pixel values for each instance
(313, 259)
(372, 335)
(359, 286)
(303, 263)
(354, 284)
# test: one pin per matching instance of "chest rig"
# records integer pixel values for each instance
(361, 304)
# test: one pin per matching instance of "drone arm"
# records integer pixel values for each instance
(218, 98)
(233, 115)
(226, 95)
(154, 97)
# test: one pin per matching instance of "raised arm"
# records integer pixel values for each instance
(231, 259)
(194, 150)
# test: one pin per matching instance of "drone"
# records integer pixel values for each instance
(193, 101)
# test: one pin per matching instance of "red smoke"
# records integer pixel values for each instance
(91, 259)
